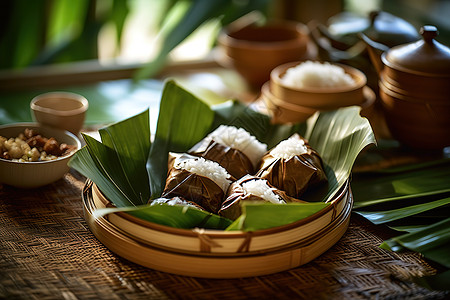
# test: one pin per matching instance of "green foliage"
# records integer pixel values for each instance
(117, 164)
(52, 31)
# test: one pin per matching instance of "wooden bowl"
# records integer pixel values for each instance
(216, 253)
(253, 51)
(319, 98)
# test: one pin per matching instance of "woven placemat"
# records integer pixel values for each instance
(48, 252)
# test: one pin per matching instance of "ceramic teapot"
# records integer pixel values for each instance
(421, 67)
(340, 39)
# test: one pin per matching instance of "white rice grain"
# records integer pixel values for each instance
(261, 189)
(240, 139)
(310, 74)
(206, 168)
(289, 148)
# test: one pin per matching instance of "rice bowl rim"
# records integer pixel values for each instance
(302, 31)
(359, 77)
(215, 233)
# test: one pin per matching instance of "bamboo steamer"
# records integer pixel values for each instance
(215, 253)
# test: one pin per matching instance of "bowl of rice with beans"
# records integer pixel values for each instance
(318, 85)
(32, 155)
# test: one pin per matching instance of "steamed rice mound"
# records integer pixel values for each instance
(312, 74)
(261, 189)
(289, 148)
(240, 139)
(206, 168)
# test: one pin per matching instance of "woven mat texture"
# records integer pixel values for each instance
(48, 252)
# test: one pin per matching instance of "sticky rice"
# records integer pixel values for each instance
(206, 168)
(289, 148)
(312, 74)
(240, 139)
(261, 189)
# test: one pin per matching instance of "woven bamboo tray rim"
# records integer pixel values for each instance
(243, 242)
(339, 197)
(210, 265)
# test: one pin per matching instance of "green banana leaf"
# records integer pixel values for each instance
(401, 184)
(432, 241)
(435, 282)
(381, 217)
(261, 216)
(117, 165)
(412, 198)
(183, 121)
(173, 216)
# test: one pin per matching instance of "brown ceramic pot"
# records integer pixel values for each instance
(415, 123)
(253, 51)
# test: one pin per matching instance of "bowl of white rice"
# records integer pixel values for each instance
(282, 112)
(319, 85)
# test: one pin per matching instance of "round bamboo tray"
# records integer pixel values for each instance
(214, 253)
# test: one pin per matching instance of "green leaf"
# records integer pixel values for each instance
(380, 217)
(263, 216)
(199, 12)
(84, 162)
(131, 141)
(183, 120)
(117, 165)
(339, 136)
(387, 186)
(435, 282)
(432, 241)
(172, 215)
(119, 13)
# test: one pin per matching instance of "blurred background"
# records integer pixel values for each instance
(70, 45)
(42, 32)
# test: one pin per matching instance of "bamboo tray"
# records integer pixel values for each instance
(218, 254)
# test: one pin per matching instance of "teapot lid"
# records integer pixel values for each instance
(426, 56)
(390, 30)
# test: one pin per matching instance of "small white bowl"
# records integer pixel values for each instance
(62, 110)
(35, 174)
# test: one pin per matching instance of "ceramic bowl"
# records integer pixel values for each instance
(319, 98)
(414, 123)
(61, 110)
(35, 174)
(253, 51)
